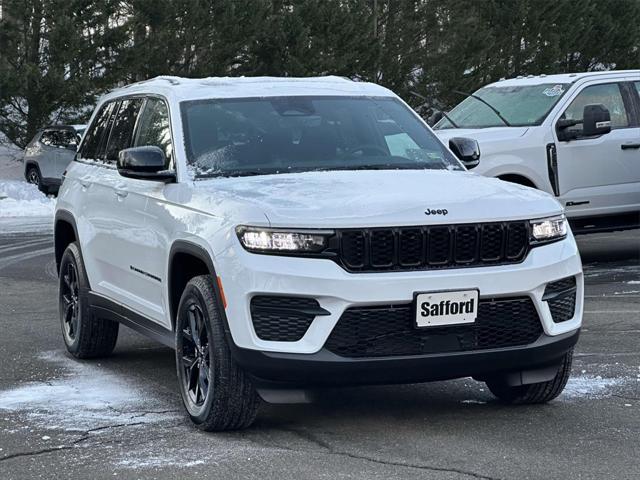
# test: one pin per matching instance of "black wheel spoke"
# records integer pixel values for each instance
(69, 299)
(186, 336)
(188, 361)
(68, 311)
(194, 357)
(202, 381)
(193, 326)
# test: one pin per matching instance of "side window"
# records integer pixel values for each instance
(93, 144)
(154, 128)
(49, 138)
(607, 94)
(123, 126)
(67, 139)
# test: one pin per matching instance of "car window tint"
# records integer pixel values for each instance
(607, 94)
(154, 128)
(93, 142)
(637, 84)
(123, 126)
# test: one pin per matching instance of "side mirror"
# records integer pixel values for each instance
(596, 120)
(144, 163)
(467, 150)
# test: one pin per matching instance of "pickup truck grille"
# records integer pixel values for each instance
(440, 246)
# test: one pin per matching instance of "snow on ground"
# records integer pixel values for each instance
(21, 199)
(588, 386)
(18, 199)
(86, 396)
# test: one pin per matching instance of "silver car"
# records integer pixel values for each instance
(48, 154)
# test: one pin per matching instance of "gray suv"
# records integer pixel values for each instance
(48, 154)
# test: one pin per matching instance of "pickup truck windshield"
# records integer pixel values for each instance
(521, 106)
(259, 136)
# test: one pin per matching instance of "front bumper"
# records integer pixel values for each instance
(245, 275)
(286, 370)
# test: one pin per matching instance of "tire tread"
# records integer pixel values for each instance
(535, 393)
(235, 403)
(97, 336)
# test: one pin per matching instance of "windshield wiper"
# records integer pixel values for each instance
(486, 103)
(427, 104)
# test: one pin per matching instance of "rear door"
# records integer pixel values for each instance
(67, 147)
(597, 176)
(47, 153)
(93, 176)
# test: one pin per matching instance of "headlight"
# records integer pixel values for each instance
(270, 240)
(549, 229)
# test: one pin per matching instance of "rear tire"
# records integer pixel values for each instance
(216, 392)
(33, 177)
(84, 334)
(536, 392)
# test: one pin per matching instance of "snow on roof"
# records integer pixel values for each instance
(180, 89)
(564, 77)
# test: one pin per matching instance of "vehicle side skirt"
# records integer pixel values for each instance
(106, 308)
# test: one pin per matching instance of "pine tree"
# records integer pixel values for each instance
(55, 57)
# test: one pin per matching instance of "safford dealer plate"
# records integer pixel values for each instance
(446, 308)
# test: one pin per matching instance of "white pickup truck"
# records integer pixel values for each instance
(575, 136)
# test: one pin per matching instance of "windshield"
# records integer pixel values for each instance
(257, 136)
(521, 106)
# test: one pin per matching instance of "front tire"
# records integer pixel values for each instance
(216, 392)
(534, 393)
(84, 334)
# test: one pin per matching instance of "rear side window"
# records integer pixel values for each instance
(49, 138)
(58, 138)
(123, 126)
(93, 145)
(154, 128)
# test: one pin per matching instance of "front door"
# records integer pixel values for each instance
(597, 175)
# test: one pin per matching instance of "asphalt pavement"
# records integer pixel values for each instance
(122, 416)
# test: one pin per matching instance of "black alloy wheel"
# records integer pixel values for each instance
(196, 357)
(70, 305)
(33, 176)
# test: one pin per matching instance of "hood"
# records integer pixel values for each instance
(482, 135)
(375, 198)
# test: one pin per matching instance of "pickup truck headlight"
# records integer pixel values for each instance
(549, 229)
(272, 240)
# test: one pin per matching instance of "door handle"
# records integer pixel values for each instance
(85, 185)
(630, 146)
(121, 194)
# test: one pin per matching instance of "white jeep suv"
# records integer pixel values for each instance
(288, 234)
(576, 136)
